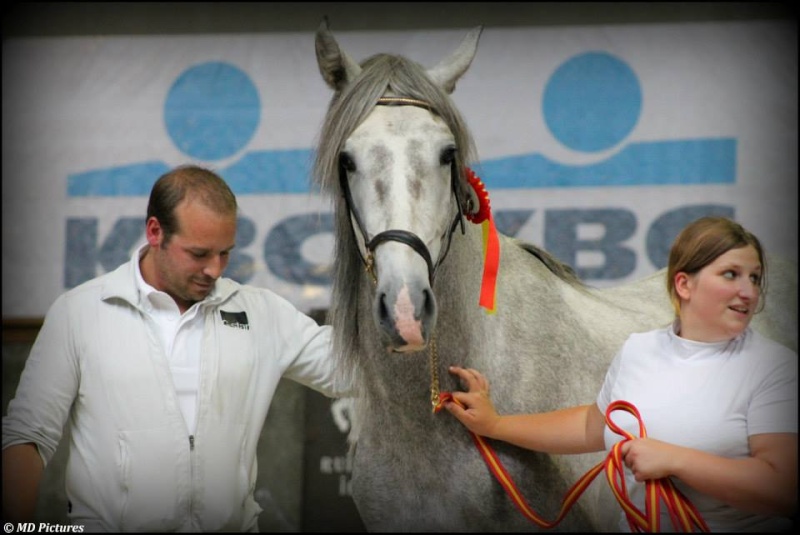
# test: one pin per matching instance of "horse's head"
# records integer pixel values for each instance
(393, 151)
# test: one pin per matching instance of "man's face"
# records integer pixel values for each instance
(188, 264)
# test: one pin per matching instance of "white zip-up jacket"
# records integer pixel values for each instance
(132, 465)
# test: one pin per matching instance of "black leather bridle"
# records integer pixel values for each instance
(402, 236)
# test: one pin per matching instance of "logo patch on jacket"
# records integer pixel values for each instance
(235, 319)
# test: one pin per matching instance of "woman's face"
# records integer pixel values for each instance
(718, 302)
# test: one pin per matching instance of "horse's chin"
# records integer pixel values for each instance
(407, 348)
(394, 342)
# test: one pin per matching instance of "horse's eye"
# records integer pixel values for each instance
(448, 156)
(346, 162)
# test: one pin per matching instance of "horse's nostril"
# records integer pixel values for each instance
(383, 310)
(429, 303)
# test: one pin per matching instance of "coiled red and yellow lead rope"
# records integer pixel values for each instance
(683, 514)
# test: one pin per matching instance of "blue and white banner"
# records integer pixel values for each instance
(598, 143)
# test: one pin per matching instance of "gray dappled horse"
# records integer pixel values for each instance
(392, 156)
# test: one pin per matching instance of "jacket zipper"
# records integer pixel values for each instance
(191, 479)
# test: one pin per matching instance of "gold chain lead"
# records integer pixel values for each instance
(434, 374)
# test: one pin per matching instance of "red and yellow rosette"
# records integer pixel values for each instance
(491, 243)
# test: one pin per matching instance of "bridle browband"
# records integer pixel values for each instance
(402, 236)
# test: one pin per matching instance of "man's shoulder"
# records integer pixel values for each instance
(115, 282)
(232, 292)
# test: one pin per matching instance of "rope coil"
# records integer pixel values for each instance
(683, 514)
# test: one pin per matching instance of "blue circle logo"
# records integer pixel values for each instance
(212, 111)
(592, 102)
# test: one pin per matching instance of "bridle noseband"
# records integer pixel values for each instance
(402, 236)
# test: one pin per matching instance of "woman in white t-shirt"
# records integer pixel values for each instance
(719, 401)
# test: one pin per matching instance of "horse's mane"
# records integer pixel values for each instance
(381, 74)
(562, 270)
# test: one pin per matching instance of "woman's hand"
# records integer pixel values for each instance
(649, 458)
(474, 407)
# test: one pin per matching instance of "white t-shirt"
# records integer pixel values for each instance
(707, 396)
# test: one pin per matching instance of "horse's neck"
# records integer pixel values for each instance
(460, 273)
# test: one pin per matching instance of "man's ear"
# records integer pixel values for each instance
(153, 232)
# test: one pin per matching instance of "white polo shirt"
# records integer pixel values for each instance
(181, 337)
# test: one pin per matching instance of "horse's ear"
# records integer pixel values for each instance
(449, 70)
(336, 67)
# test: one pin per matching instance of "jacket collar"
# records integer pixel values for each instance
(121, 284)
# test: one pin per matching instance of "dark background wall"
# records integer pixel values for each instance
(30, 19)
(299, 438)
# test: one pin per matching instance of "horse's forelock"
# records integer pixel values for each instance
(382, 74)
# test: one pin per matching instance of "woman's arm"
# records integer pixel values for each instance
(572, 430)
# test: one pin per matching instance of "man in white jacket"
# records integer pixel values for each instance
(164, 371)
